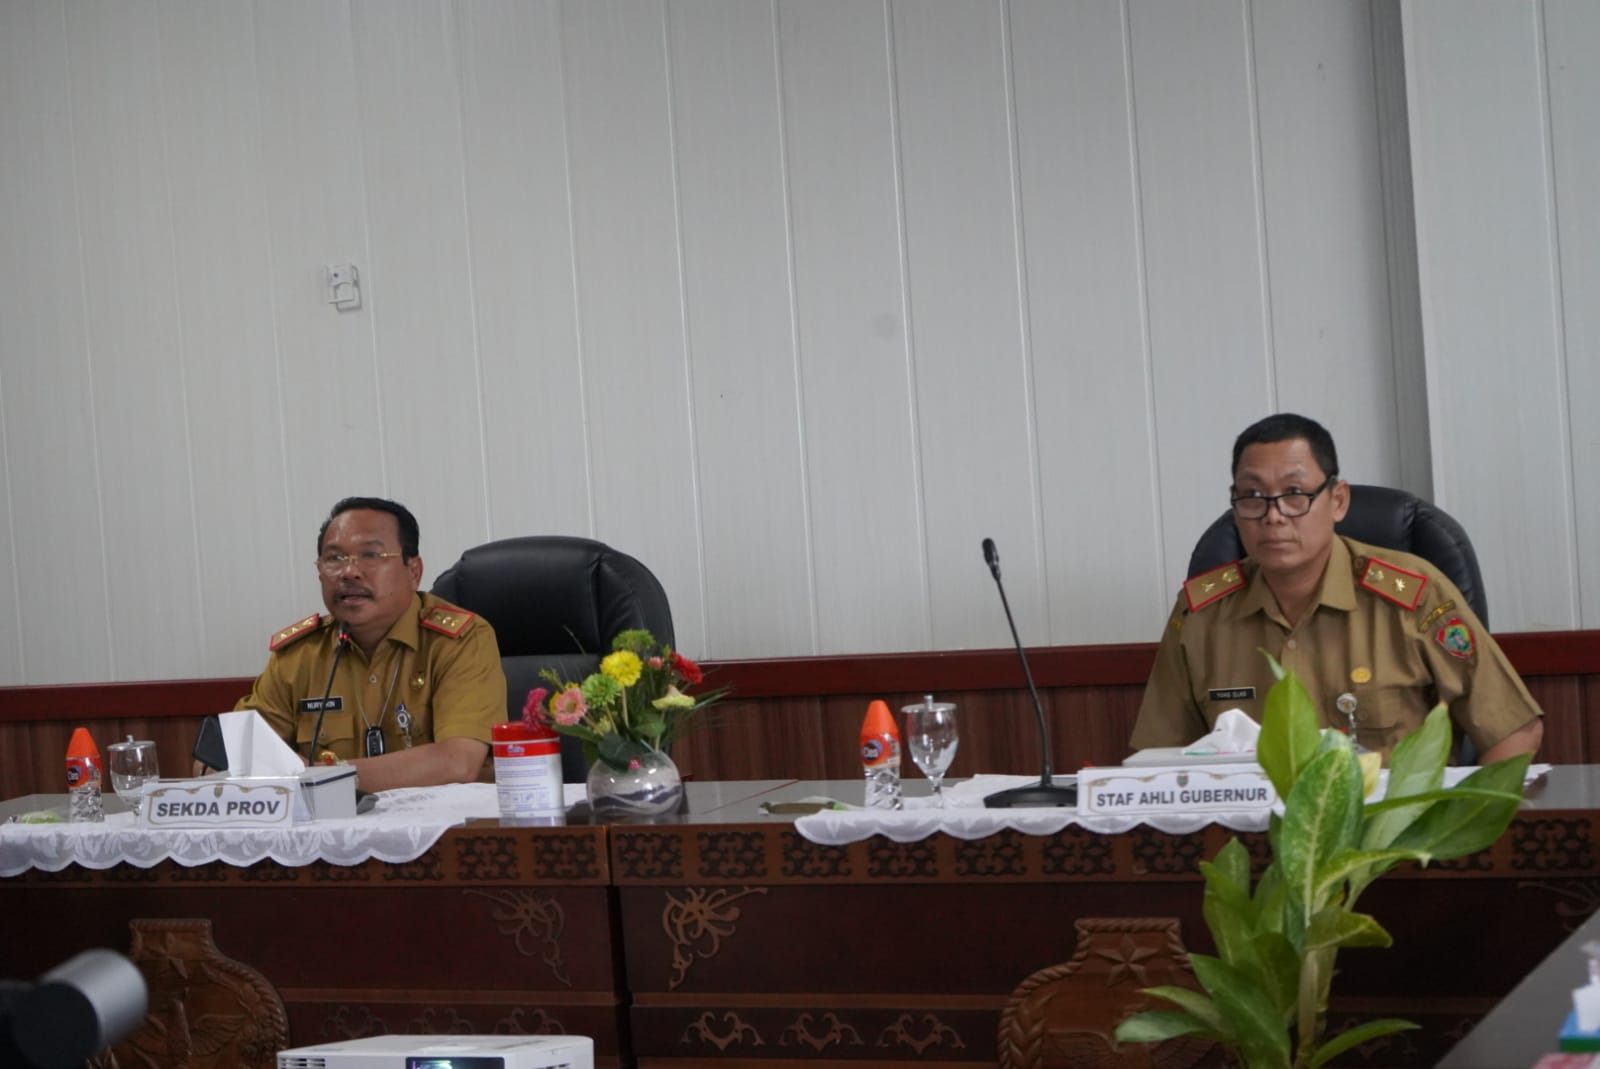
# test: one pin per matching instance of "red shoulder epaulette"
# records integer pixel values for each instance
(299, 629)
(448, 620)
(1207, 587)
(1393, 583)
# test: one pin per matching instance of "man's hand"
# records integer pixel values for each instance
(1525, 739)
(456, 760)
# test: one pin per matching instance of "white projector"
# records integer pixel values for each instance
(445, 1052)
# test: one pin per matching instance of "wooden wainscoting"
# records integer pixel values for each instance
(799, 717)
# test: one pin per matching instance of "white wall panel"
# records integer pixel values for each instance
(1322, 196)
(1572, 36)
(1487, 260)
(135, 340)
(630, 294)
(222, 256)
(524, 297)
(420, 281)
(867, 519)
(56, 628)
(1213, 369)
(737, 285)
(314, 183)
(972, 379)
(1086, 321)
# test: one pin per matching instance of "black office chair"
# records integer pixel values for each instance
(556, 602)
(1381, 516)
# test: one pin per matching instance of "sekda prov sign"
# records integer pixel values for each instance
(251, 803)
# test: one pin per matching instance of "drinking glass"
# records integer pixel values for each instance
(131, 763)
(932, 737)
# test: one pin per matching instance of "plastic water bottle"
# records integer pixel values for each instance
(880, 757)
(84, 802)
(527, 773)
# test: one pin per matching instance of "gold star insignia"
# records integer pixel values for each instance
(1209, 586)
(1399, 585)
(1377, 575)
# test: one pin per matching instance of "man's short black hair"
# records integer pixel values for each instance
(410, 534)
(1285, 427)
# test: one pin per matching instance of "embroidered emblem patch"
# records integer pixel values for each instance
(1456, 638)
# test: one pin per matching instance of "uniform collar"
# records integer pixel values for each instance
(407, 630)
(1338, 585)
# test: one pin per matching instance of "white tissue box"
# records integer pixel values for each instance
(322, 792)
(1227, 788)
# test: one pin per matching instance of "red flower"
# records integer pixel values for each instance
(687, 668)
(532, 710)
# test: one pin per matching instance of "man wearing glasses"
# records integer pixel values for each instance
(412, 696)
(1377, 636)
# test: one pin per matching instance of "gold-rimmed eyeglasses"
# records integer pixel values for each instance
(331, 564)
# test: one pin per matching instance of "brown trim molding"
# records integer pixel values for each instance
(1533, 653)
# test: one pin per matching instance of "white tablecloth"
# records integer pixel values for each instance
(405, 824)
(964, 816)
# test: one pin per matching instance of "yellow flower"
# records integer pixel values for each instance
(673, 699)
(624, 666)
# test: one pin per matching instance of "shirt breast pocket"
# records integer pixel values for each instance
(1384, 716)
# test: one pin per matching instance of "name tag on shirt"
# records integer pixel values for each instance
(1231, 694)
(317, 705)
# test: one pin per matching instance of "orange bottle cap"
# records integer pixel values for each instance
(82, 745)
(879, 721)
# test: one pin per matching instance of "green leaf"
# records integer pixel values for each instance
(1365, 864)
(1252, 1019)
(1336, 927)
(1351, 1038)
(1321, 820)
(1416, 768)
(1230, 915)
(1195, 1003)
(1474, 816)
(1154, 1026)
(1289, 730)
(618, 752)
(1280, 971)
(1233, 862)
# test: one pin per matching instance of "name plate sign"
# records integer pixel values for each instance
(220, 803)
(1204, 789)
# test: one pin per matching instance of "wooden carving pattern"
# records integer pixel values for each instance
(535, 924)
(270, 874)
(736, 855)
(1065, 1016)
(327, 872)
(697, 923)
(1482, 861)
(1075, 852)
(425, 869)
(904, 1032)
(888, 858)
(1000, 854)
(529, 1021)
(1171, 855)
(1576, 900)
(808, 860)
(207, 1011)
(566, 857)
(833, 1032)
(644, 856)
(352, 1022)
(486, 857)
(1548, 845)
(733, 1030)
(211, 872)
(437, 1021)
(129, 874)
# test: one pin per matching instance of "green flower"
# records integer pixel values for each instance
(600, 690)
(673, 699)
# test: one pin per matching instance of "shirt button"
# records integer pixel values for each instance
(374, 679)
(1289, 645)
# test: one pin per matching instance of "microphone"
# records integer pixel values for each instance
(316, 729)
(1044, 793)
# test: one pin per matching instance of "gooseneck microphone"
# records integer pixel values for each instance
(1045, 793)
(316, 729)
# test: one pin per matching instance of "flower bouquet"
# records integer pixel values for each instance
(634, 705)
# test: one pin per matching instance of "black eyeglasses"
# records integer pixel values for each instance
(1294, 504)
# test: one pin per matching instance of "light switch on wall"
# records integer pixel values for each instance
(344, 286)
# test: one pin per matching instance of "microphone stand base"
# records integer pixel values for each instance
(1041, 795)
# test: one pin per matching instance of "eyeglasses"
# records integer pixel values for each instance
(1292, 505)
(331, 564)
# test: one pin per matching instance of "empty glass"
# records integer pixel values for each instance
(932, 737)
(131, 764)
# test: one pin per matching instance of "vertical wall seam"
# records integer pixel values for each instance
(1386, 189)
(796, 361)
(1558, 311)
(370, 298)
(919, 491)
(457, 48)
(577, 276)
(1030, 393)
(1258, 174)
(687, 335)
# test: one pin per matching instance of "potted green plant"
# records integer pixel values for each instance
(1265, 991)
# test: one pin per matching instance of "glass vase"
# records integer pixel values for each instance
(649, 788)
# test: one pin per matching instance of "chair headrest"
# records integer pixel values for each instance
(555, 594)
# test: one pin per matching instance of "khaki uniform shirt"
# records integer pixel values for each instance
(1387, 629)
(439, 663)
